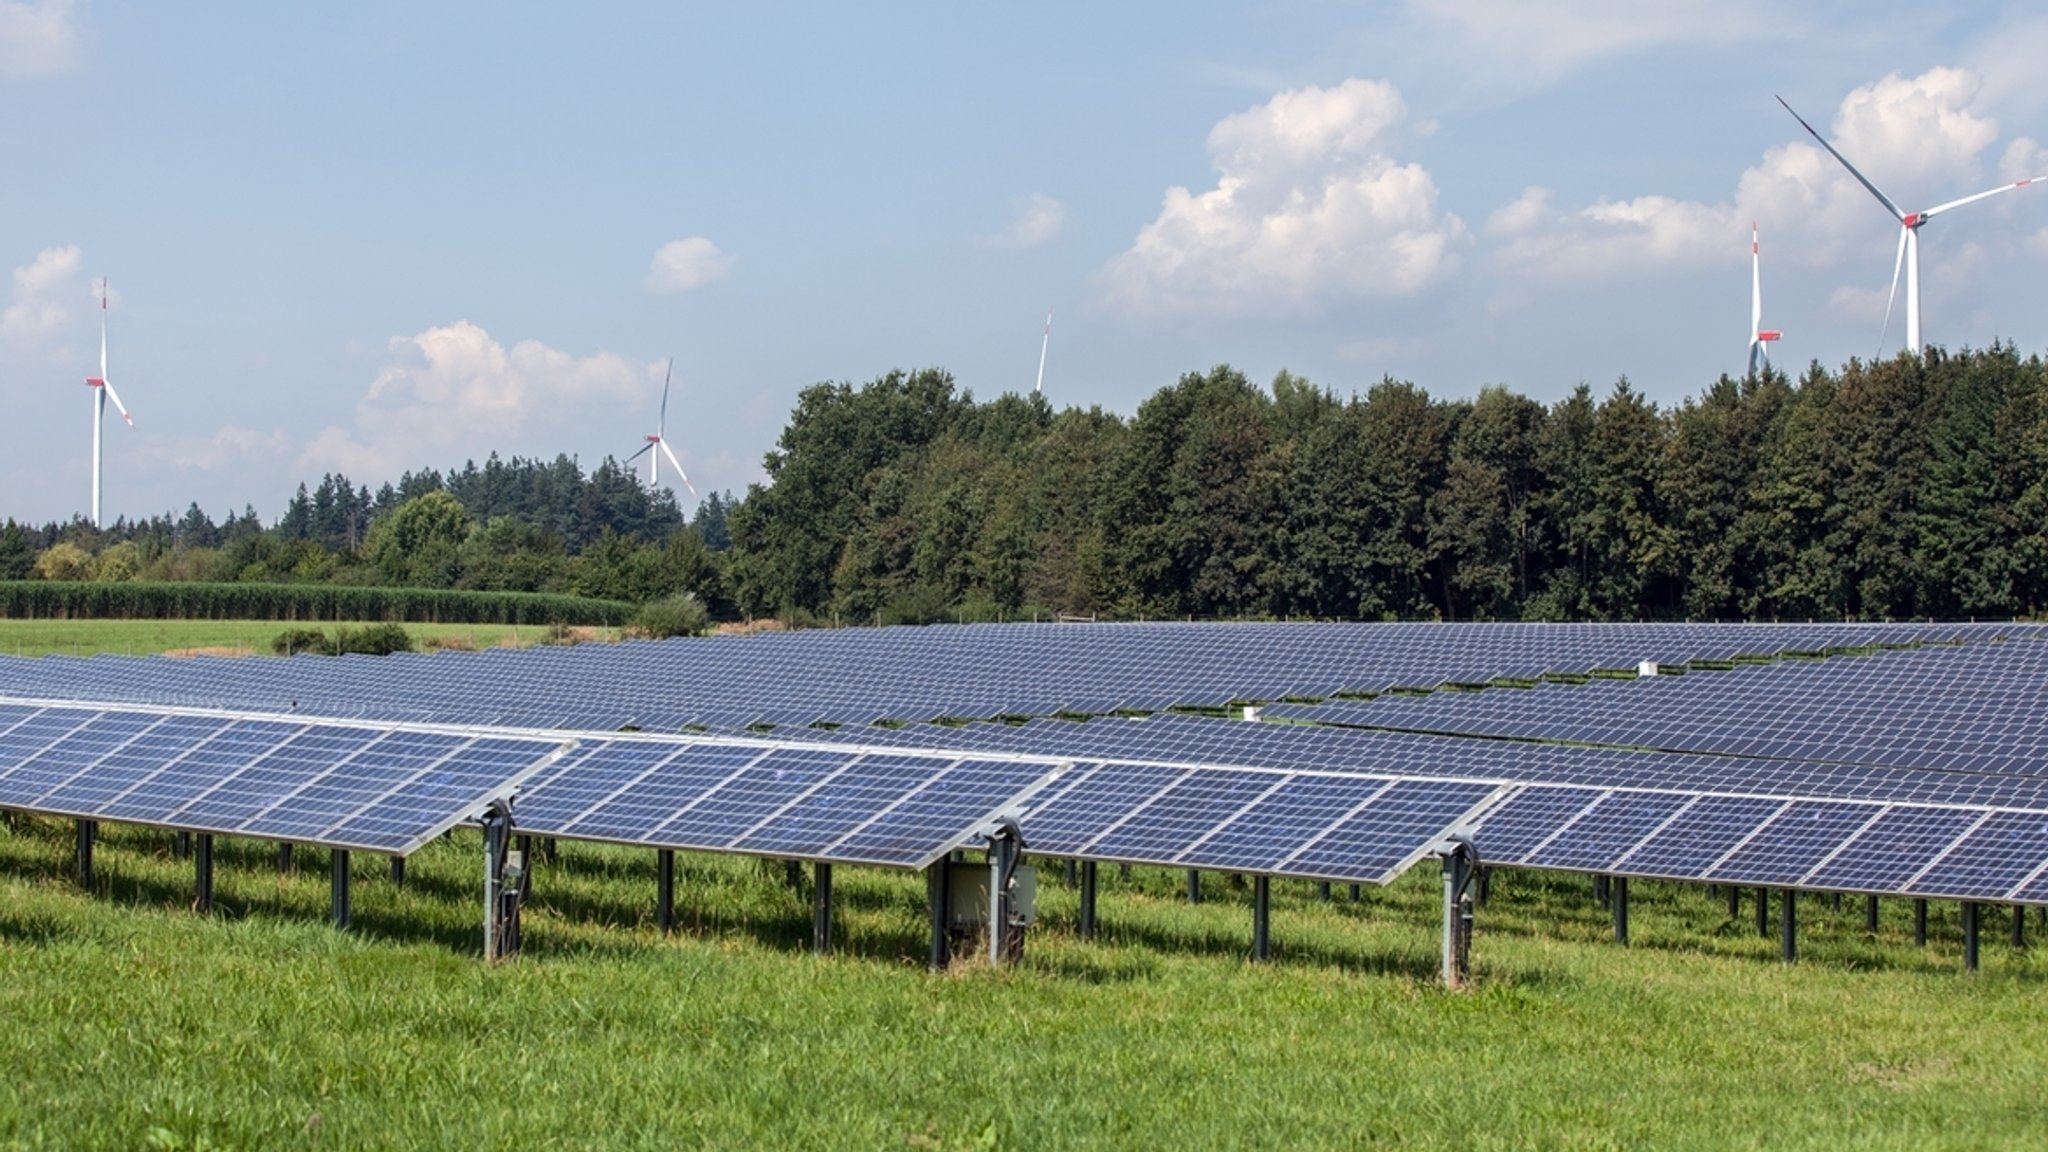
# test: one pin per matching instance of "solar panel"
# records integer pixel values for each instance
(900, 809)
(322, 782)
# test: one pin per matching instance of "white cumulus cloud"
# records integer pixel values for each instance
(1308, 206)
(36, 39)
(36, 308)
(691, 262)
(1038, 220)
(1918, 138)
(457, 391)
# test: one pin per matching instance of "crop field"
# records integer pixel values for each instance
(233, 637)
(132, 1022)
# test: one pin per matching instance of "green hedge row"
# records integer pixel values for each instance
(57, 599)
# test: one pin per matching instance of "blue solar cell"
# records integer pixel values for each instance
(579, 781)
(1894, 849)
(749, 796)
(159, 795)
(283, 769)
(1278, 825)
(58, 761)
(1176, 818)
(1706, 831)
(1990, 861)
(1526, 820)
(837, 806)
(128, 766)
(1374, 843)
(1607, 831)
(931, 821)
(358, 782)
(1095, 801)
(1793, 842)
(654, 800)
(441, 792)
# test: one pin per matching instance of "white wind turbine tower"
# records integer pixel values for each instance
(1039, 387)
(657, 446)
(1760, 337)
(1909, 235)
(103, 389)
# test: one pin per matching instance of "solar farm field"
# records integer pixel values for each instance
(132, 1022)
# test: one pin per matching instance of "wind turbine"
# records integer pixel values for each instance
(103, 389)
(657, 447)
(1909, 235)
(1760, 337)
(1042, 346)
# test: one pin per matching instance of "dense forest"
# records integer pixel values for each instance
(1903, 488)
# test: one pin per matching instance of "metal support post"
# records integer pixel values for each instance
(284, 857)
(1072, 869)
(1194, 886)
(1323, 891)
(1005, 929)
(202, 874)
(1788, 930)
(2019, 926)
(1357, 893)
(821, 908)
(398, 871)
(1460, 861)
(1485, 887)
(1970, 918)
(1834, 901)
(938, 890)
(665, 889)
(1621, 909)
(1920, 923)
(1734, 901)
(1763, 912)
(1600, 891)
(1088, 900)
(337, 871)
(1262, 917)
(181, 844)
(526, 873)
(1870, 915)
(86, 831)
(505, 881)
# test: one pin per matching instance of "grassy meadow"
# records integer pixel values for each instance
(233, 637)
(132, 1022)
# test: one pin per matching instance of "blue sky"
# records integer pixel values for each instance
(375, 237)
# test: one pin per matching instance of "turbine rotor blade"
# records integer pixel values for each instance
(679, 466)
(642, 452)
(662, 427)
(1897, 264)
(108, 388)
(1756, 283)
(1897, 212)
(1979, 196)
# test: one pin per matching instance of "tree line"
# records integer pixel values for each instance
(1915, 487)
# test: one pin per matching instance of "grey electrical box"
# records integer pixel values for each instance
(967, 901)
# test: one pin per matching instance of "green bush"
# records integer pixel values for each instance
(372, 640)
(293, 641)
(679, 615)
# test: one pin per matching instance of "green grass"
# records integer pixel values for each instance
(149, 637)
(132, 1022)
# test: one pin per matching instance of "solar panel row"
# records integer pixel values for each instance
(1595, 810)
(317, 782)
(857, 676)
(1966, 709)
